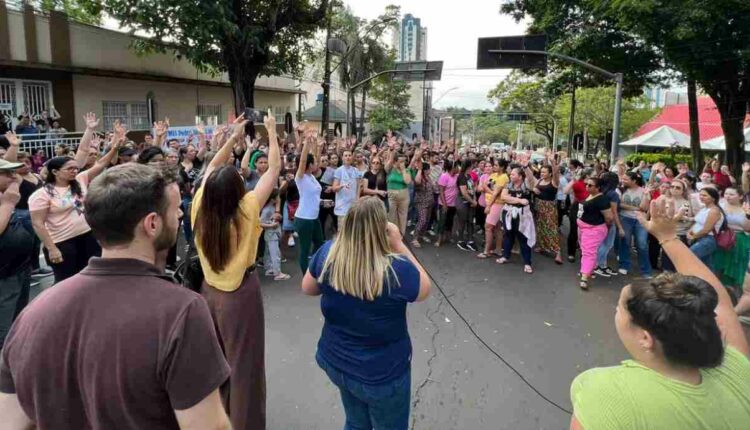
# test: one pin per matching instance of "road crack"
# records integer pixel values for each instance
(418, 394)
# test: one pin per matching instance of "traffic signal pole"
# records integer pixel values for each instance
(617, 77)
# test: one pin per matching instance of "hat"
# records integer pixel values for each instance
(126, 152)
(7, 165)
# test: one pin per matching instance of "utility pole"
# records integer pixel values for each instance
(572, 123)
(327, 76)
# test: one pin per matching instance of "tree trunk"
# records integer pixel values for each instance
(361, 131)
(243, 87)
(695, 137)
(353, 126)
(733, 109)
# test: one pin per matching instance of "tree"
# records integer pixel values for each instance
(77, 11)
(595, 112)
(393, 111)
(245, 38)
(366, 53)
(572, 29)
(705, 41)
(527, 94)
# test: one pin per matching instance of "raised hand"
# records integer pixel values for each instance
(160, 128)
(12, 138)
(200, 128)
(12, 195)
(269, 121)
(662, 223)
(745, 167)
(238, 131)
(96, 141)
(91, 121)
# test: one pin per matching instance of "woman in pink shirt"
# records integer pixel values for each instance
(448, 187)
(57, 215)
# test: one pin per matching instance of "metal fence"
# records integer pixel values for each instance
(34, 142)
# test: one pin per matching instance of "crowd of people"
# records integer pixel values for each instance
(139, 350)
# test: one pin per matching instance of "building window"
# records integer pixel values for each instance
(208, 114)
(279, 113)
(133, 115)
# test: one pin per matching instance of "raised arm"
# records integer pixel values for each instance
(202, 144)
(268, 181)
(83, 147)
(160, 133)
(302, 165)
(12, 153)
(105, 161)
(555, 171)
(222, 156)
(8, 201)
(664, 228)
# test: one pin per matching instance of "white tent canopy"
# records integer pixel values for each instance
(662, 137)
(717, 143)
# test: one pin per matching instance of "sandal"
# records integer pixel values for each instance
(558, 259)
(483, 255)
(282, 277)
(583, 284)
(528, 269)
(415, 243)
(501, 260)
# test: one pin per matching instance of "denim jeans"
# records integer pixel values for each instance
(633, 228)
(187, 228)
(272, 253)
(609, 242)
(704, 249)
(367, 407)
(14, 295)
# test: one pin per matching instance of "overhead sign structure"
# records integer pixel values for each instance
(486, 59)
(418, 71)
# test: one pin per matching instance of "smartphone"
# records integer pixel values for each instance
(254, 115)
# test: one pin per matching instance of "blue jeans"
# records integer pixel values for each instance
(634, 229)
(603, 251)
(187, 228)
(367, 407)
(704, 249)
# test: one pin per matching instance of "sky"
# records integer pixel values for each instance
(452, 32)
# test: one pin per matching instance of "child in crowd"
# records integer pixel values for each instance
(272, 236)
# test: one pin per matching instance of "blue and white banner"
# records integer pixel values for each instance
(182, 133)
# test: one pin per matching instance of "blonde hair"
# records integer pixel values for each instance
(360, 260)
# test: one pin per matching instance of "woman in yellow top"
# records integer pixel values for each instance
(226, 221)
(690, 366)
(493, 234)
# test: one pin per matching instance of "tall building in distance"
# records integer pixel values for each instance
(411, 40)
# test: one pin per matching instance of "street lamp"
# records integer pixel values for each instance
(444, 94)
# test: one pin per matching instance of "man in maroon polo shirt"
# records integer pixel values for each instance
(117, 346)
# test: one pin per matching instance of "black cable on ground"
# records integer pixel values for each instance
(483, 342)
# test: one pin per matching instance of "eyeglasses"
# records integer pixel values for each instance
(70, 169)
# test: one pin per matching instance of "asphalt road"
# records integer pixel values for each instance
(541, 324)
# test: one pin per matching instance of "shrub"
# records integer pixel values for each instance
(666, 158)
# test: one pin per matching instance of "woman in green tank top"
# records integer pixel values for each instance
(689, 366)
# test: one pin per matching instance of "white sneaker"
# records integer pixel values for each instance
(291, 242)
(622, 272)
